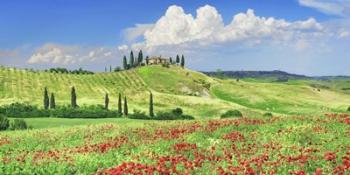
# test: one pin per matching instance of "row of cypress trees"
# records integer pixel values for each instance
(50, 102)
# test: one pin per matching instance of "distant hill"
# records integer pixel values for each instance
(256, 74)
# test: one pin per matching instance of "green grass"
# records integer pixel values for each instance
(39, 123)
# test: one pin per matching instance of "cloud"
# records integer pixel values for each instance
(65, 55)
(133, 33)
(176, 28)
(332, 7)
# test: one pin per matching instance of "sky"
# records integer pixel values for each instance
(310, 37)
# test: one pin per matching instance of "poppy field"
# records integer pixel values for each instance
(248, 145)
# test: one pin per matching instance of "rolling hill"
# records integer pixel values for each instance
(197, 93)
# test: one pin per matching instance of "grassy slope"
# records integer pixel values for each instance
(196, 93)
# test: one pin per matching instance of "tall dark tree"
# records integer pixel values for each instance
(132, 59)
(177, 59)
(110, 68)
(151, 113)
(106, 101)
(140, 57)
(73, 98)
(120, 110)
(125, 63)
(125, 106)
(105, 69)
(171, 60)
(147, 60)
(46, 99)
(52, 101)
(182, 61)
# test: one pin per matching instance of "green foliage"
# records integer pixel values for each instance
(46, 99)
(140, 57)
(137, 114)
(348, 109)
(182, 61)
(125, 106)
(21, 110)
(66, 71)
(52, 101)
(175, 114)
(125, 63)
(268, 114)
(120, 110)
(151, 112)
(177, 59)
(4, 122)
(132, 59)
(18, 124)
(231, 113)
(73, 98)
(97, 111)
(106, 101)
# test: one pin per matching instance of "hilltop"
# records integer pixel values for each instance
(197, 93)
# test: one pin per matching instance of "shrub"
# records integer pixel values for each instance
(138, 115)
(231, 113)
(268, 114)
(97, 111)
(175, 114)
(4, 122)
(18, 124)
(22, 110)
(349, 108)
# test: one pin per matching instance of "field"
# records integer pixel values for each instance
(275, 145)
(309, 132)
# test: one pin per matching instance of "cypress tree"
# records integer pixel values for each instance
(177, 59)
(171, 60)
(120, 110)
(110, 68)
(140, 57)
(125, 63)
(125, 106)
(105, 69)
(52, 101)
(147, 59)
(46, 99)
(73, 98)
(182, 61)
(151, 113)
(132, 59)
(106, 101)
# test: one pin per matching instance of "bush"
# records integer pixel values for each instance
(97, 111)
(232, 113)
(138, 115)
(268, 114)
(18, 124)
(22, 110)
(175, 114)
(4, 122)
(349, 109)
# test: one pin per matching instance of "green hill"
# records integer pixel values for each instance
(195, 92)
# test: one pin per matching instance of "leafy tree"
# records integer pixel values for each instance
(120, 110)
(52, 101)
(73, 98)
(132, 59)
(182, 61)
(117, 69)
(106, 101)
(125, 106)
(46, 99)
(177, 59)
(151, 113)
(140, 57)
(125, 63)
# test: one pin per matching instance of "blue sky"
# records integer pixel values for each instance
(93, 34)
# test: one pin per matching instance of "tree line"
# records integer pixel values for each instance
(50, 102)
(134, 61)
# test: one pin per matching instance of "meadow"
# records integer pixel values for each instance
(308, 131)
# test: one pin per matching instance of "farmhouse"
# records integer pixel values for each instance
(157, 60)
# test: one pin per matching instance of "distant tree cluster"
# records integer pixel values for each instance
(66, 71)
(133, 61)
